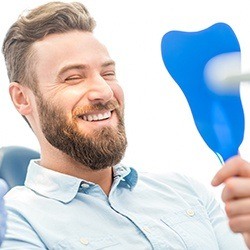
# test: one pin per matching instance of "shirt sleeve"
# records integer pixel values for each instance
(225, 237)
(19, 233)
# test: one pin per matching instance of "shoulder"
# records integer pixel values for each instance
(16, 191)
(180, 183)
(18, 195)
(173, 179)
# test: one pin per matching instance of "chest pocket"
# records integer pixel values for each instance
(193, 226)
(88, 242)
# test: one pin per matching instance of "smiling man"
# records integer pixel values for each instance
(79, 105)
(79, 195)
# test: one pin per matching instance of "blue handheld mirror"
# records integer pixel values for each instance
(218, 116)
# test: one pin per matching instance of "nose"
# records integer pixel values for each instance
(100, 90)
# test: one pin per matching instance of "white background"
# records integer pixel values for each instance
(160, 128)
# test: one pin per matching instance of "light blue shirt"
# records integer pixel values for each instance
(142, 211)
(3, 190)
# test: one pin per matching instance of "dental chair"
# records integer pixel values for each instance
(14, 161)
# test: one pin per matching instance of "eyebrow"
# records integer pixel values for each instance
(83, 66)
(108, 63)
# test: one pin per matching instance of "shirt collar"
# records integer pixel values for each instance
(50, 183)
(125, 174)
(64, 187)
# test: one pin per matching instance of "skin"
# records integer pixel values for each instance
(235, 176)
(73, 70)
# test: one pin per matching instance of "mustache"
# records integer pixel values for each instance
(110, 105)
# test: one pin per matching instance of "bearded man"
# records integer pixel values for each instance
(78, 195)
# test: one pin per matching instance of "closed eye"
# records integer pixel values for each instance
(74, 79)
(109, 75)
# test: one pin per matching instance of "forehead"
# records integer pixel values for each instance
(57, 50)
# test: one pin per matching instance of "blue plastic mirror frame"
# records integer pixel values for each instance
(218, 118)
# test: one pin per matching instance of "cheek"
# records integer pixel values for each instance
(118, 93)
(68, 98)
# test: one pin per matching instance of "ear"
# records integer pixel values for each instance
(20, 97)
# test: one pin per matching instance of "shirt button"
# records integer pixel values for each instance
(85, 185)
(190, 212)
(84, 241)
(146, 229)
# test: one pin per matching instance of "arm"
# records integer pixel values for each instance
(235, 175)
(226, 239)
(19, 234)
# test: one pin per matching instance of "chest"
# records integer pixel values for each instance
(125, 222)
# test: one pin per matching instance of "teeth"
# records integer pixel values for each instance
(106, 115)
(97, 117)
(89, 118)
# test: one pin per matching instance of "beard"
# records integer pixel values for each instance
(102, 148)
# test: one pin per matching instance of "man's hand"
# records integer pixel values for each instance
(235, 175)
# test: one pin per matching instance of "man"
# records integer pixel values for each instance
(78, 195)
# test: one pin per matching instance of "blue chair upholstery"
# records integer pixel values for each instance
(14, 161)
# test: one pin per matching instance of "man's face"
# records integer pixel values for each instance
(80, 104)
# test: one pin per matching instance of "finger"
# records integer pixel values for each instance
(237, 207)
(240, 224)
(235, 188)
(235, 166)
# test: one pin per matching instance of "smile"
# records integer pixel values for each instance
(96, 117)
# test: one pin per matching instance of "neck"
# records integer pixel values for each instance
(60, 162)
